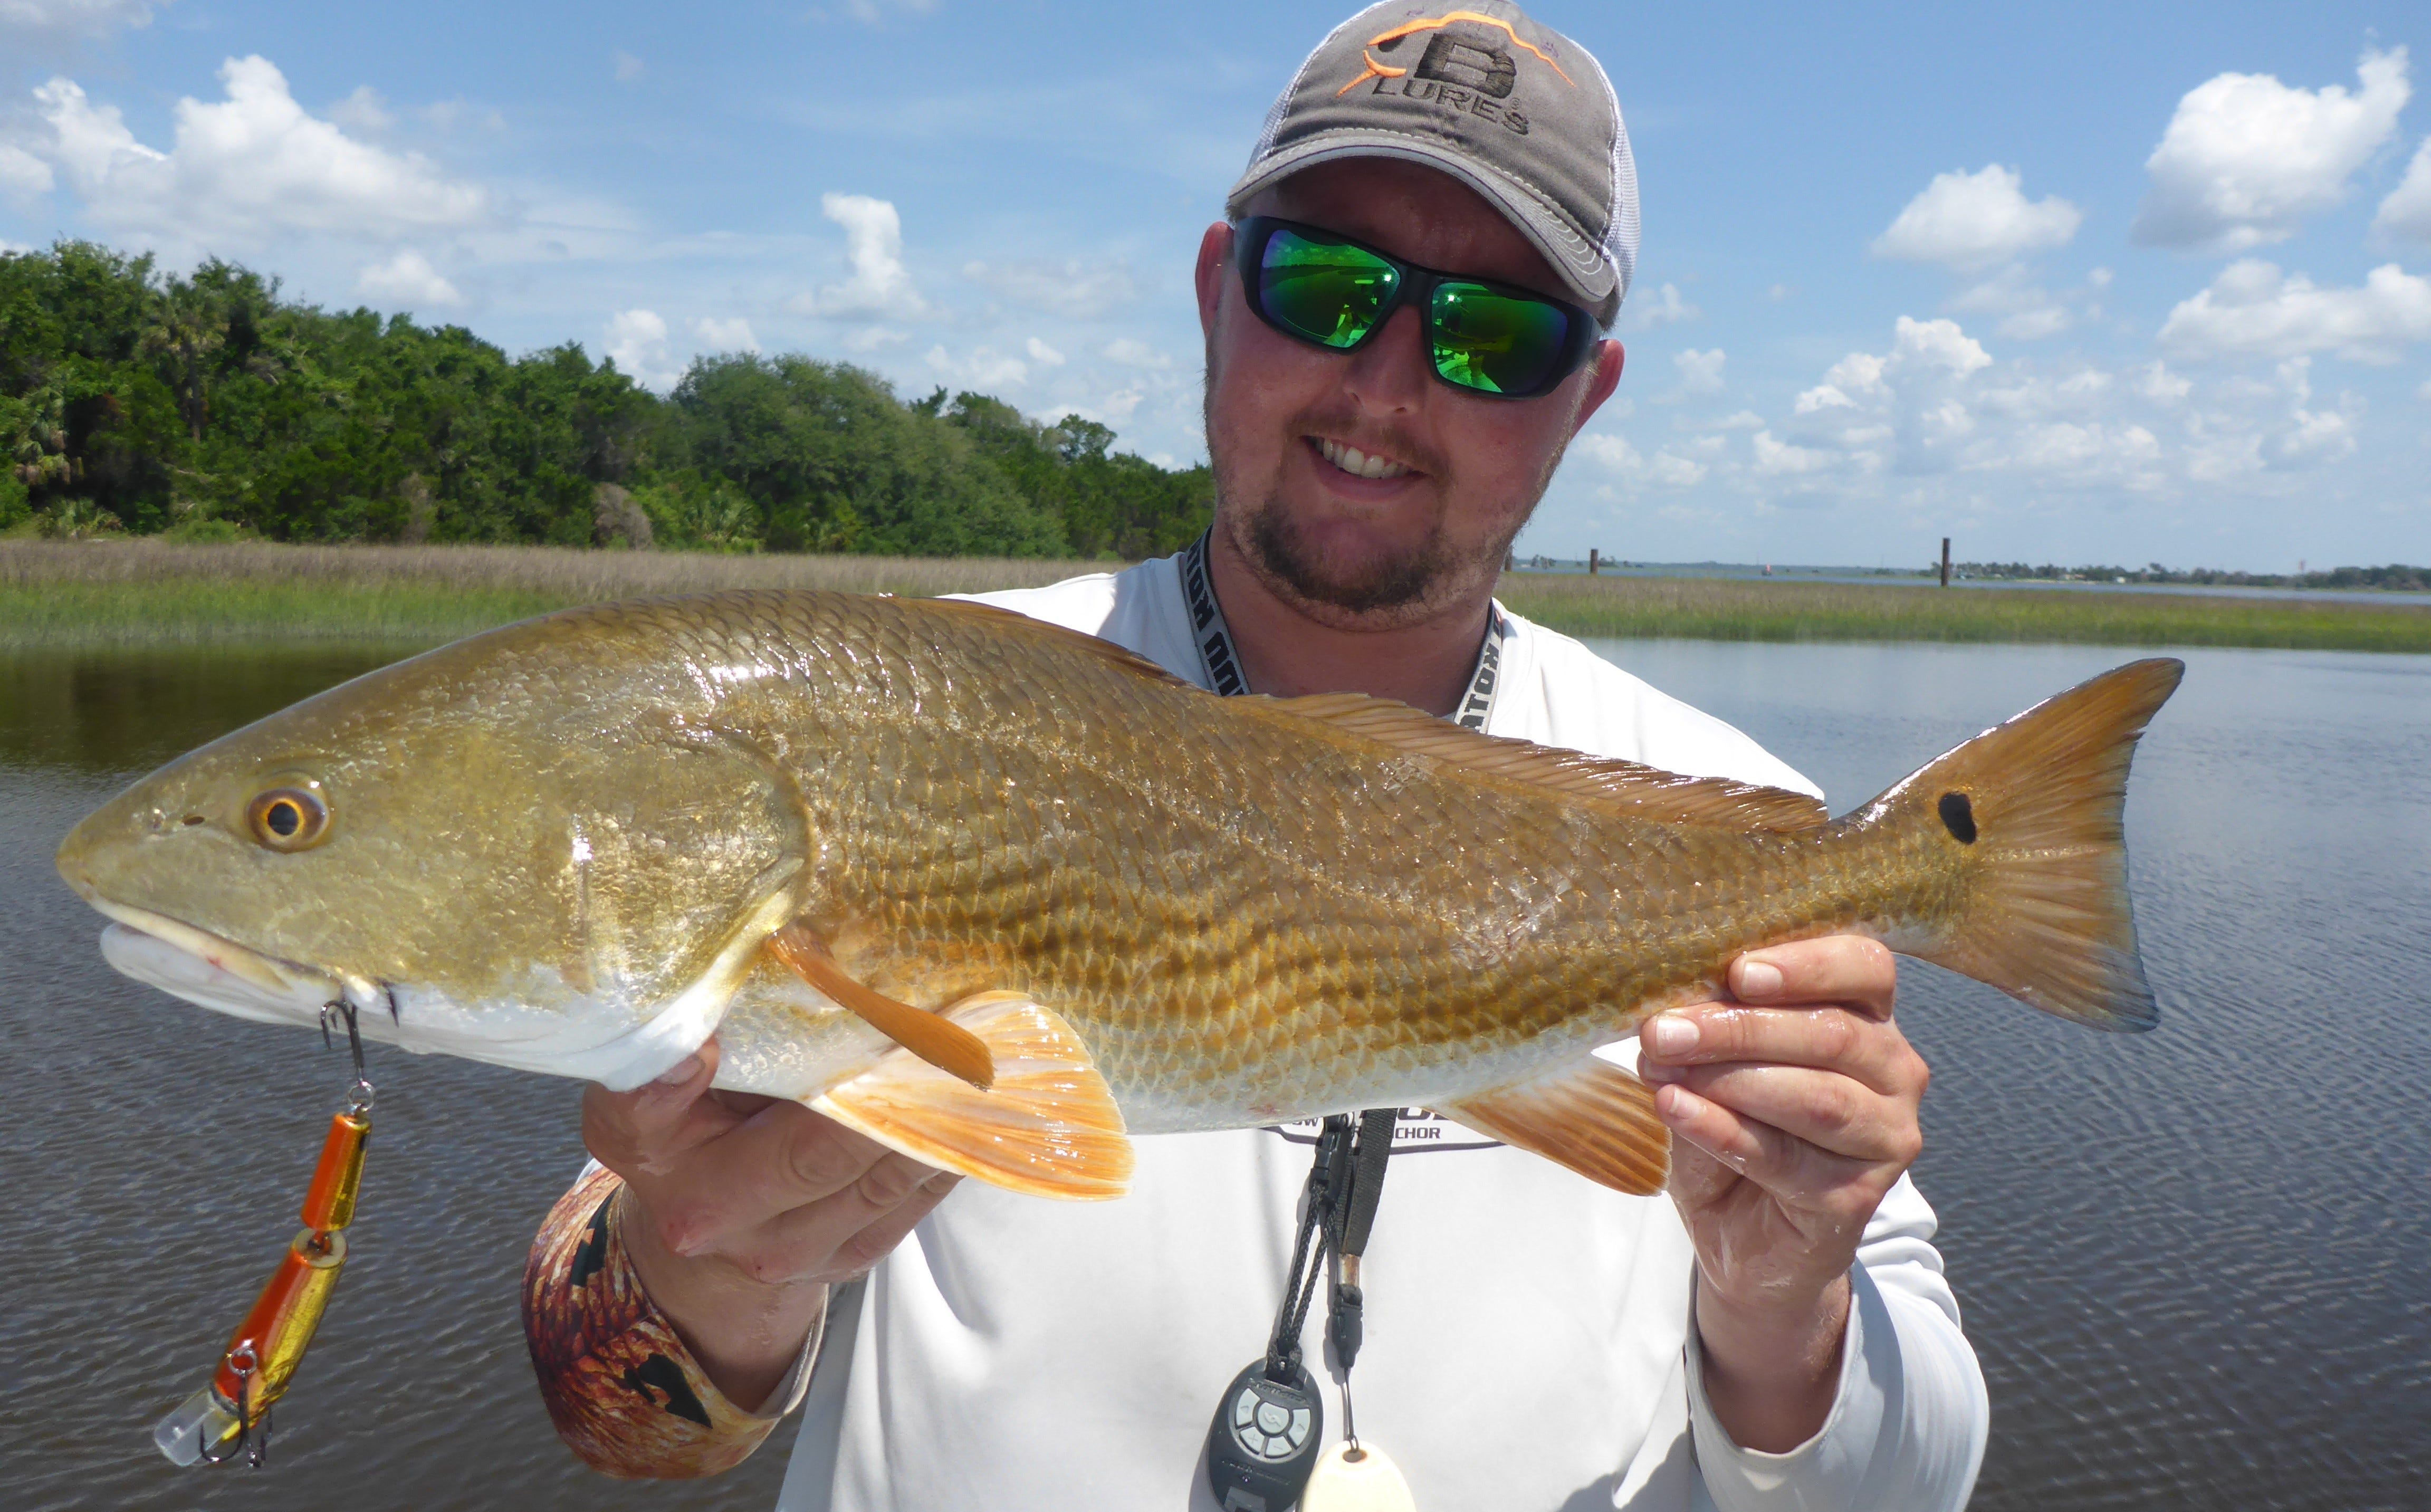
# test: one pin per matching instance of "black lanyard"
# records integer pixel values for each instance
(1269, 1426)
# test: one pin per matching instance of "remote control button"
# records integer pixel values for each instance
(1272, 1419)
(1245, 1409)
(1254, 1441)
(1300, 1427)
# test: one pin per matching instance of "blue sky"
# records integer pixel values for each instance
(2065, 282)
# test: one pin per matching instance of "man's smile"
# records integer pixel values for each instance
(1358, 463)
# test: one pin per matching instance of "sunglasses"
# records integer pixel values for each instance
(1481, 337)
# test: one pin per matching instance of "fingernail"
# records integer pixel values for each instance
(1675, 1104)
(1674, 1035)
(680, 1072)
(1758, 979)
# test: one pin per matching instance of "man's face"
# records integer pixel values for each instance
(1356, 486)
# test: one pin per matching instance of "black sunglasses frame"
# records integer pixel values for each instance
(1412, 285)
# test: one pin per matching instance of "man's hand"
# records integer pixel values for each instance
(1793, 1109)
(740, 1210)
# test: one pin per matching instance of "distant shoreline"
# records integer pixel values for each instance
(157, 594)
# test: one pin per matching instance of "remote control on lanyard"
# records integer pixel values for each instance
(1269, 1426)
(1265, 1439)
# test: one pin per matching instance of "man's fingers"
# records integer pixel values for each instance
(1829, 1110)
(830, 1239)
(1842, 968)
(1801, 1175)
(1871, 1050)
(643, 1129)
(780, 1158)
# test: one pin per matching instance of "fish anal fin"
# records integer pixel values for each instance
(1047, 1128)
(937, 1040)
(1589, 1115)
(1644, 792)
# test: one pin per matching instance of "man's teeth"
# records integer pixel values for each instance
(1351, 459)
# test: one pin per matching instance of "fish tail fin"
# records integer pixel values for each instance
(2033, 808)
(1047, 1126)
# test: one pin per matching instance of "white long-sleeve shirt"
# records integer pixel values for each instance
(1528, 1334)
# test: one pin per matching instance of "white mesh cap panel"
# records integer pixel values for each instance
(1620, 231)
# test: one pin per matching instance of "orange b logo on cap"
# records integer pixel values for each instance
(1488, 70)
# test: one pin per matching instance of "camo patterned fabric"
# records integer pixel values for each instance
(622, 1388)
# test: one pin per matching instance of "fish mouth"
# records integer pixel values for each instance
(212, 971)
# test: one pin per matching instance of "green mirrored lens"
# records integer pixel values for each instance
(1498, 343)
(1325, 290)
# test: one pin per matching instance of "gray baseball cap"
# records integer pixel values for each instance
(1516, 111)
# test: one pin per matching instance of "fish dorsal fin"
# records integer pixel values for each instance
(937, 1040)
(1589, 1115)
(1014, 622)
(1644, 792)
(1048, 1127)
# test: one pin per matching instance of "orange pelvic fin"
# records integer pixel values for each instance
(1590, 1115)
(941, 1042)
(1047, 1128)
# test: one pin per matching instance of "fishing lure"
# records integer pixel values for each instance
(230, 1416)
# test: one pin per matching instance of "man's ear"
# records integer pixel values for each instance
(1608, 359)
(1215, 250)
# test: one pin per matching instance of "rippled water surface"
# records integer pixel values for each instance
(2197, 1262)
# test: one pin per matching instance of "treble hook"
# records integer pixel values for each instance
(252, 1437)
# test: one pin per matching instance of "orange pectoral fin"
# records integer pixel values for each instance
(1590, 1115)
(1048, 1127)
(941, 1042)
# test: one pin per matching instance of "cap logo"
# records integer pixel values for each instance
(1448, 59)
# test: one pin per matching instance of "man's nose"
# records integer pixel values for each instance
(1388, 373)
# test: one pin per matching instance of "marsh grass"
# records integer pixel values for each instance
(1736, 609)
(152, 592)
(148, 592)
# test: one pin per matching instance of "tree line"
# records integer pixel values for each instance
(205, 407)
(2395, 576)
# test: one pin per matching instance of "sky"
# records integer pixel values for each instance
(2074, 283)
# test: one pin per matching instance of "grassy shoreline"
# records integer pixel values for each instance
(150, 593)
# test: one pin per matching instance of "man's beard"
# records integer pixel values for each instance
(1279, 544)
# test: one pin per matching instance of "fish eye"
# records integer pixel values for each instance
(288, 819)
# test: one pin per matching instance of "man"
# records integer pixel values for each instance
(1774, 1331)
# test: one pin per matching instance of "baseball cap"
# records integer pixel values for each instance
(1515, 111)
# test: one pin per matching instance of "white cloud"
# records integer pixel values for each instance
(985, 368)
(637, 342)
(1043, 355)
(1780, 292)
(1666, 309)
(1775, 458)
(1665, 469)
(51, 24)
(1131, 352)
(366, 110)
(1073, 289)
(726, 335)
(1974, 221)
(626, 66)
(22, 173)
(1700, 372)
(2246, 158)
(2406, 211)
(881, 287)
(2253, 310)
(870, 338)
(407, 279)
(247, 170)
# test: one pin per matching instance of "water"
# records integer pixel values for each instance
(2194, 1262)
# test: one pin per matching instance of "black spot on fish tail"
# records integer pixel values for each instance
(590, 1256)
(1959, 817)
(665, 1376)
